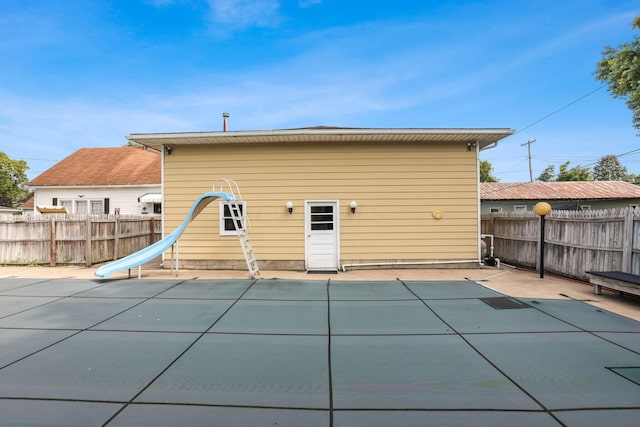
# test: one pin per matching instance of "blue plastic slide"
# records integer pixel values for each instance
(158, 248)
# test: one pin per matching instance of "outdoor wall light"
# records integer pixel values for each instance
(353, 206)
(290, 207)
(167, 150)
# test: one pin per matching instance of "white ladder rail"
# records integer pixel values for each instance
(240, 221)
(240, 224)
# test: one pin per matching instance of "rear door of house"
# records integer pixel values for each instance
(321, 235)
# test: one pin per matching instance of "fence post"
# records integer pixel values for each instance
(116, 238)
(53, 246)
(627, 241)
(87, 248)
(152, 231)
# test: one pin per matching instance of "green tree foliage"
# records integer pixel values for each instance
(620, 70)
(13, 181)
(548, 174)
(576, 173)
(609, 168)
(485, 172)
(633, 178)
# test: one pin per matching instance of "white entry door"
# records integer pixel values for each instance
(321, 243)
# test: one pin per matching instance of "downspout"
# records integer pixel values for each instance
(162, 215)
(479, 218)
(480, 235)
(490, 146)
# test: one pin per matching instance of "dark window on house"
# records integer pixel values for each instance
(226, 219)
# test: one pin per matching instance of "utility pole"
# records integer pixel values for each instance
(528, 144)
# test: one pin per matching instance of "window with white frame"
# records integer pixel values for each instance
(495, 210)
(97, 206)
(585, 207)
(520, 208)
(226, 219)
(81, 207)
(67, 204)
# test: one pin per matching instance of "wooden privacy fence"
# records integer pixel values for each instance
(575, 241)
(74, 239)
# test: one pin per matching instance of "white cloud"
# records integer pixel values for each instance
(231, 15)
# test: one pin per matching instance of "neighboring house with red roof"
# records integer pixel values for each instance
(125, 180)
(27, 207)
(564, 195)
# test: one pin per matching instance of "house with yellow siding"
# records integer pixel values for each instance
(328, 198)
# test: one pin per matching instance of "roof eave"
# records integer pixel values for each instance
(487, 138)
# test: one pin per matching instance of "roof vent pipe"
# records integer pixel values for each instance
(225, 116)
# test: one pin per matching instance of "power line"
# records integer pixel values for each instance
(617, 155)
(575, 101)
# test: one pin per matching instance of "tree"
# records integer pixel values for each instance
(485, 172)
(13, 181)
(576, 173)
(609, 168)
(620, 70)
(548, 174)
(633, 178)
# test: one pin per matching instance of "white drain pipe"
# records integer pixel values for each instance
(391, 264)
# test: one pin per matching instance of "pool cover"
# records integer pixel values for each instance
(278, 352)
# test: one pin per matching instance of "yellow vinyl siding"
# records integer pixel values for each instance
(396, 187)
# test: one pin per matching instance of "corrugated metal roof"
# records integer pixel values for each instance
(565, 190)
(104, 166)
(484, 137)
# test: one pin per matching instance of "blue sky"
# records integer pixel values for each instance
(85, 73)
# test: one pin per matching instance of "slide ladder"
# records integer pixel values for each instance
(240, 222)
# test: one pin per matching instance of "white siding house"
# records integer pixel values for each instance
(123, 180)
(98, 200)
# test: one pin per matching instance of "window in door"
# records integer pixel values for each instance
(322, 217)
